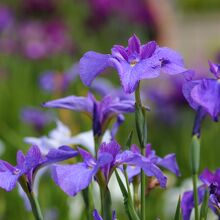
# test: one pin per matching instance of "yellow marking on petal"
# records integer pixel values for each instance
(133, 63)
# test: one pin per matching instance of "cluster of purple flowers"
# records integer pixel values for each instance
(133, 64)
(33, 38)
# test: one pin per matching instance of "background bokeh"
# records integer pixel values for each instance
(40, 44)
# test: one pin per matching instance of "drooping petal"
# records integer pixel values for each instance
(147, 68)
(150, 169)
(73, 178)
(87, 157)
(60, 154)
(207, 95)
(187, 89)
(133, 171)
(169, 162)
(187, 203)
(92, 64)
(122, 106)
(171, 61)
(128, 80)
(79, 104)
(9, 175)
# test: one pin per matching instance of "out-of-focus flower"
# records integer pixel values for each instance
(168, 162)
(109, 158)
(96, 215)
(6, 18)
(51, 81)
(7, 30)
(39, 40)
(135, 12)
(28, 165)
(35, 117)
(61, 135)
(100, 111)
(133, 63)
(204, 93)
(212, 182)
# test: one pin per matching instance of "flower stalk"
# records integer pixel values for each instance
(35, 206)
(142, 136)
(195, 158)
(106, 207)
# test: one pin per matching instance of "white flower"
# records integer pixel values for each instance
(61, 135)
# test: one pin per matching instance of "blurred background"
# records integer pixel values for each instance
(41, 42)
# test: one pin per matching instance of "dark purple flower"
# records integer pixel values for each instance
(168, 162)
(205, 93)
(35, 117)
(109, 158)
(27, 165)
(100, 111)
(210, 180)
(133, 63)
(96, 215)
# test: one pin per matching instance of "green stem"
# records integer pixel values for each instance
(143, 187)
(35, 206)
(141, 140)
(88, 200)
(106, 203)
(195, 194)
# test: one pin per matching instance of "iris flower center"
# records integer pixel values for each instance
(16, 171)
(133, 63)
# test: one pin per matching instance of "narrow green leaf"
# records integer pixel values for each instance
(195, 154)
(178, 210)
(204, 207)
(127, 200)
(129, 140)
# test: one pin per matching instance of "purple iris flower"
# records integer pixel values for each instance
(133, 63)
(204, 93)
(27, 165)
(168, 162)
(100, 111)
(109, 158)
(96, 215)
(35, 117)
(210, 180)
